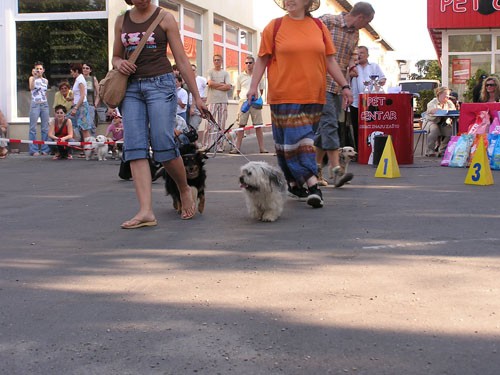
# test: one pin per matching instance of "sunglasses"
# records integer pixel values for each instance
(491, 85)
(249, 63)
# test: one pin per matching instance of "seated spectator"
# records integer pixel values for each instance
(438, 126)
(64, 96)
(61, 130)
(490, 91)
(3, 134)
(115, 133)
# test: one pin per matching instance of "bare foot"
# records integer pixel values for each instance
(188, 205)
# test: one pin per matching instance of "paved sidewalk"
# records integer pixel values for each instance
(392, 276)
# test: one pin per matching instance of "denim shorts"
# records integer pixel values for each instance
(148, 111)
(327, 133)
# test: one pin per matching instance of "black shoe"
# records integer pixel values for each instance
(344, 179)
(296, 192)
(315, 198)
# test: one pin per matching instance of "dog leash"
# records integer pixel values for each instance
(210, 118)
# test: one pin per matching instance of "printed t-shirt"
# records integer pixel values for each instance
(116, 131)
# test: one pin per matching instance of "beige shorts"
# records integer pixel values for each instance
(256, 115)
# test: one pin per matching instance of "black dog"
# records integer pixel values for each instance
(195, 172)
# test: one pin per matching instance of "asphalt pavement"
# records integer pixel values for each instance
(392, 276)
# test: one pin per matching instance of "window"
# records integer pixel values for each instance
(171, 8)
(52, 6)
(190, 26)
(470, 43)
(467, 51)
(192, 22)
(234, 44)
(58, 44)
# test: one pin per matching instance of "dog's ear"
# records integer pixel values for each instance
(274, 177)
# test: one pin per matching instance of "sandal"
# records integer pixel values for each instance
(3, 155)
(189, 213)
(136, 223)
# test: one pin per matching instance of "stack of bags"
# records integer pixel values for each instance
(461, 149)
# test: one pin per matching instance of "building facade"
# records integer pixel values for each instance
(466, 37)
(60, 32)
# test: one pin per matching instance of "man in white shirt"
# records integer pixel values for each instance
(194, 114)
(242, 86)
(182, 98)
(364, 70)
(201, 82)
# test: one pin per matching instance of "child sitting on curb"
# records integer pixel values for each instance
(115, 133)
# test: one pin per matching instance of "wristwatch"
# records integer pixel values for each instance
(346, 87)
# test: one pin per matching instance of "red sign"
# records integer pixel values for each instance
(462, 14)
(460, 70)
(388, 114)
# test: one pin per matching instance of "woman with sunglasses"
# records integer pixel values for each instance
(490, 92)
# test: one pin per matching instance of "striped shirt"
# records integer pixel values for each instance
(345, 39)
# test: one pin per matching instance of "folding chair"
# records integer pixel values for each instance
(422, 136)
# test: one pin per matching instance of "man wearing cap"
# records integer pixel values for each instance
(344, 29)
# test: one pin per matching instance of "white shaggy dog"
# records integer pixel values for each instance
(88, 149)
(265, 190)
(102, 147)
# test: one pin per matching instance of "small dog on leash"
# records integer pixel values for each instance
(346, 155)
(90, 148)
(265, 190)
(196, 176)
(101, 149)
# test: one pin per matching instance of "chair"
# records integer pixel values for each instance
(422, 135)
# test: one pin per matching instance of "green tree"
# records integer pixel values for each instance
(58, 44)
(427, 69)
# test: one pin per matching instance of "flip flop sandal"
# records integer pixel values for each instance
(136, 223)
